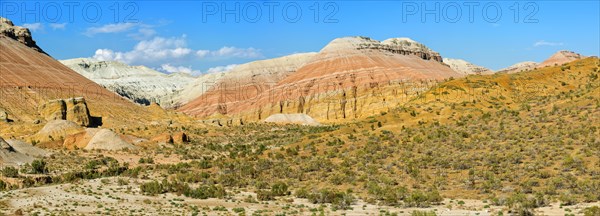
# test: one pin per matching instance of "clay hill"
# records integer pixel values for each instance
(37, 89)
(140, 84)
(323, 83)
(561, 57)
(242, 83)
(558, 58)
(466, 68)
(519, 67)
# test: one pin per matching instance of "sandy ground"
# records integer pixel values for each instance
(106, 196)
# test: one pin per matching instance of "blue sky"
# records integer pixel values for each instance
(192, 36)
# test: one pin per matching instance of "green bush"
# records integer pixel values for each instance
(39, 167)
(302, 193)
(3, 185)
(264, 195)
(423, 213)
(520, 204)
(10, 172)
(339, 200)
(591, 211)
(423, 199)
(152, 188)
(279, 189)
(205, 192)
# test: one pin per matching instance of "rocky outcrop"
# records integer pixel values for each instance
(560, 57)
(407, 46)
(28, 149)
(11, 157)
(77, 111)
(163, 138)
(54, 110)
(29, 78)
(175, 138)
(72, 109)
(5, 146)
(139, 84)
(23, 35)
(3, 115)
(180, 138)
(16, 152)
(466, 68)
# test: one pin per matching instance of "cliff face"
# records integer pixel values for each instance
(406, 46)
(138, 83)
(23, 35)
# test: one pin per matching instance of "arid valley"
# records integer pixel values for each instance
(359, 126)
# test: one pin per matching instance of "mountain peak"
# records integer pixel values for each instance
(21, 34)
(561, 57)
(402, 46)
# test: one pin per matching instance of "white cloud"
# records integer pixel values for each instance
(105, 55)
(34, 26)
(219, 69)
(545, 43)
(143, 33)
(55, 26)
(168, 50)
(148, 51)
(230, 52)
(109, 28)
(202, 53)
(237, 52)
(178, 69)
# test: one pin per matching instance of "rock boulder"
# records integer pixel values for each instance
(54, 110)
(77, 111)
(72, 109)
(3, 115)
(180, 138)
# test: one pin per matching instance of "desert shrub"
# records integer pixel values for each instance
(418, 198)
(122, 181)
(302, 193)
(39, 167)
(10, 172)
(279, 189)
(567, 199)
(591, 211)
(148, 160)
(3, 185)
(389, 195)
(264, 195)
(339, 200)
(152, 188)
(520, 204)
(205, 192)
(238, 210)
(423, 213)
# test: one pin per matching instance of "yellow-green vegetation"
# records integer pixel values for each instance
(517, 140)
